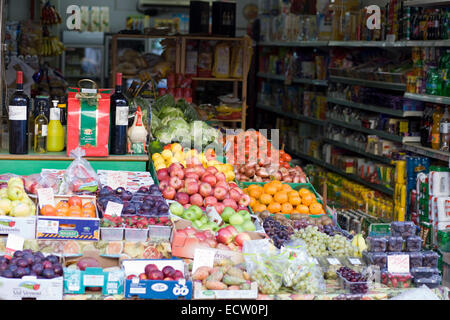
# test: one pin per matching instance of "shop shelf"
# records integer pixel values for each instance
(370, 83)
(299, 117)
(371, 108)
(428, 98)
(381, 134)
(366, 44)
(359, 151)
(294, 80)
(426, 3)
(353, 177)
(294, 43)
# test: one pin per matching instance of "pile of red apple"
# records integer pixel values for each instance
(202, 187)
(152, 272)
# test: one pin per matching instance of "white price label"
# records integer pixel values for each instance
(113, 209)
(47, 226)
(46, 196)
(55, 114)
(203, 258)
(398, 263)
(116, 179)
(122, 116)
(17, 113)
(14, 243)
(354, 261)
(333, 261)
(93, 280)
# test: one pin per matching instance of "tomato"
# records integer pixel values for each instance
(167, 147)
(48, 210)
(287, 157)
(75, 201)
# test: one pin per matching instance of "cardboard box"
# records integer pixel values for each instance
(184, 247)
(31, 288)
(78, 282)
(67, 228)
(156, 289)
(21, 226)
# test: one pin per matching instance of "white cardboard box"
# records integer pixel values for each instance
(21, 226)
(31, 288)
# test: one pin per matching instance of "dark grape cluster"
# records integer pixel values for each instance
(328, 229)
(277, 232)
(356, 282)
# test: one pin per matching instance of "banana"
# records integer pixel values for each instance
(361, 244)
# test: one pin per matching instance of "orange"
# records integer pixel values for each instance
(274, 207)
(281, 197)
(89, 206)
(278, 184)
(256, 192)
(88, 214)
(307, 199)
(75, 201)
(260, 207)
(303, 192)
(48, 210)
(253, 186)
(63, 212)
(295, 200)
(302, 209)
(253, 202)
(265, 199)
(270, 189)
(62, 204)
(286, 188)
(75, 211)
(245, 190)
(292, 193)
(286, 208)
(315, 208)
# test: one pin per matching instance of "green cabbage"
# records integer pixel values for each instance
(168, 111)
(164, 101)
(155, 122)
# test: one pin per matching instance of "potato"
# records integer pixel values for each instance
(200, 274)
(234, 288)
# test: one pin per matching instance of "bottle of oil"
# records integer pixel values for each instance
(56, 138)
(40, 131)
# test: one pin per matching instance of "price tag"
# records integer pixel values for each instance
(47, 226)
(116, 179)
(113, 209)
(333, 261)
(213, 216)
(14, 243)
(354, 261)
(398, 263)
(203, 258)
(46, 196)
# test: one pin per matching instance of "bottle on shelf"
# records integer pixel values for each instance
(18, 114)
(63, 116)
(433, 84)
(55, 138)
(40, 131)
(119, 119)
(435, 129)
(445, 131)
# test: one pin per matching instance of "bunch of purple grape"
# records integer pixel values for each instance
(29, 263)
(357, 282)
(277, 232)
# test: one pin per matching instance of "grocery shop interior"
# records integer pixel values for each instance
(225, 150)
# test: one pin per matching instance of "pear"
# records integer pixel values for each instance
(21, 210)
(4, 193)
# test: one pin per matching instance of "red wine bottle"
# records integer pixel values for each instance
(18, 114)
(119, 119)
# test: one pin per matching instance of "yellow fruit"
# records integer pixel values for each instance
(219, 167)
(160, 167)
(179, 156)
(156, 156)
(229, 175)
(167, 154)
(212, 163)
(176, 147)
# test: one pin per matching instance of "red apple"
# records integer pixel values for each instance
(211, 242)
(241, 237)
(191, 175)
(190, 180)
(237, 189)
(205, 189)
(168, 271)
(149, 268)
(168, 279)
(176, 183)
(200, 236)
(212, 170)
(161, 174)
(220, 193)
(210, 201)
(163, 184)
(196, 199)
(175, 166)
(191, 187)
(232, 230)
(209, 178)
(189, 170)
(156, 275)
(222, 184)
(235, 195)
(219, 207)
(179, 173)
(230, 203)
(182, 198)
(220, 176)
(233, 185)
(178, 275)
(245, 200)
(199, 170)
(143, 276)
(169, 193)
(224, 236)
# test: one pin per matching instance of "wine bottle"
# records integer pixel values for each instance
(18, 114)
(40, 130)
(119, 119)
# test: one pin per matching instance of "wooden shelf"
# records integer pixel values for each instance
(216, 79)
(212, 38)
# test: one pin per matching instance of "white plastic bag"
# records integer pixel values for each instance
(80, 177)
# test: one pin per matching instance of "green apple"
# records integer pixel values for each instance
(198, 211)
(15, 193)
(214, 226)
(5, 205)
(227, 213)
(21, 210)
(189, 215)
(239, 228)
(204, 219)
(197, 224)
(4, 193)
(245, 214)
(176, 209)
(248, 226)
(236, 219)
(15, 180)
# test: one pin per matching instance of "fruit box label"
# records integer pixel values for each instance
(77, 281)
(68, 228)
(24, 227)
(31, 288)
